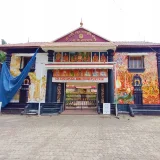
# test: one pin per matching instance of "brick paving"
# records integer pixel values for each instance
(78, 137)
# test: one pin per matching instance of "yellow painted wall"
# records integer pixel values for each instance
(34, 90)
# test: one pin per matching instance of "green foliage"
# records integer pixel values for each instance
(2, 57)
(2, 54)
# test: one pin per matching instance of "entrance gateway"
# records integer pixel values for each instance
(80, 70)
(81, 96)
(79, 84)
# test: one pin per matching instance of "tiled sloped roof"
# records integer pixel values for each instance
(29, 44)
(69, 44)
(45, 44)
(135, 44)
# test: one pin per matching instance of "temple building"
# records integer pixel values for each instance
(82, 70)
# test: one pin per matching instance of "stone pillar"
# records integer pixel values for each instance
(8, 59)
(50, 55)
(54, 92)
(106, 92)
(49, 78)
(110, 78)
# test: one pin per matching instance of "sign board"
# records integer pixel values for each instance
(79, 79)
(106, 108)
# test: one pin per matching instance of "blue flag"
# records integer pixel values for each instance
(9, 85)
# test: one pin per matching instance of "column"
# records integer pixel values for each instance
(8, 59)
(54, 92)
(110, 78)
(49, 78)
(106, 92)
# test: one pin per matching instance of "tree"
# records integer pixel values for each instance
(2, 54)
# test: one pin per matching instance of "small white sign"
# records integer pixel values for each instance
(106, 108)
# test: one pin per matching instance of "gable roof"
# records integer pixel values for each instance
(81, 34)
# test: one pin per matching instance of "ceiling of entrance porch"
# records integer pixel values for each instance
(78, 46)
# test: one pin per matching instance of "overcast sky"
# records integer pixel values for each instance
(46, 20)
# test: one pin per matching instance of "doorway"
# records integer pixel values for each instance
(81, 95)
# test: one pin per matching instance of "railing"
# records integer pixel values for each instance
(81, 104)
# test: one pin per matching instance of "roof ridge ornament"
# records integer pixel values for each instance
(81, 23)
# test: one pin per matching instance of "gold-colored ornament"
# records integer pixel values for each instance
(80, 36)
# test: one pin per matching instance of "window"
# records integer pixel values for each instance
(136, 63)
(24, 62)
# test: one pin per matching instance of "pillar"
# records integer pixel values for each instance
(8, 59)
(49, 78)
(110, 78)
(54, 92)
(106, 93)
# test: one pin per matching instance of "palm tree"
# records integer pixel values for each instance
(2, 54)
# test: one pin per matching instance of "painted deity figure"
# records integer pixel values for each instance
(95, 73)
(79, 57)
(65, 57)
(95, 58)
(89, 58)
(103, 73)
(58, 57)
(103, 58)
(57, 73)
(64, 73)
(87, 73)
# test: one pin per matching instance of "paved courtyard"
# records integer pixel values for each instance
(66, 137)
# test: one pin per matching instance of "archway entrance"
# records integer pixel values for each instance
(81, 96)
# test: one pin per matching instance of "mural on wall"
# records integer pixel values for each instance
(124, 80)
(80, 57)
(35, 94)
(14, 69)
(77, 75)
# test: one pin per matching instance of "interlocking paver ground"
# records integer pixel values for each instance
(72, 137)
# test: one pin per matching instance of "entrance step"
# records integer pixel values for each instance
(80, 112)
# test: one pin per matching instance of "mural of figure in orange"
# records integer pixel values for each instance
(58, 57)
(65, 57)
(103, 58)
(95, 58)
(79, 57)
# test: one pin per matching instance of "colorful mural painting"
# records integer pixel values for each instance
(124, 80)
(81, 57)
(96, 75)
(103, 57)
(34, 88)
(80, 73)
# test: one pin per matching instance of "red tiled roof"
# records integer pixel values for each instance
(58, 44)
(135, 44)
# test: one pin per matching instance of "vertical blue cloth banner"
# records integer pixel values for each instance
(9, 85)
